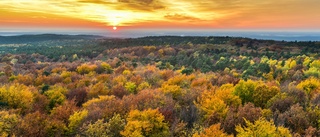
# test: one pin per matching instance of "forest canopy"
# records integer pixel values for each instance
(159, 86)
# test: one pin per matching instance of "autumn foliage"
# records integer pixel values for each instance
(223, 88)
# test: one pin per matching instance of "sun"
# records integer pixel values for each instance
(114, 28)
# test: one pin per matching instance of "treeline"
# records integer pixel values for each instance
(90, 46)
(23, 39)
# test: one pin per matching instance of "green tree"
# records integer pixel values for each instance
(107, 68)
(245, 90)
(263, 94)
(131, 87)
(112, 128)
(56, 95)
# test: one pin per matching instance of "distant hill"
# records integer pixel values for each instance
(23, 39)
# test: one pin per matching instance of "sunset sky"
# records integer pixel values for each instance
(178, 14)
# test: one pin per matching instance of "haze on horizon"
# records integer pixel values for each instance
(159, 14)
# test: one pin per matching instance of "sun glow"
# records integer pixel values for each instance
(114, 28)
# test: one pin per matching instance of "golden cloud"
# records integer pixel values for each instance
(130, 12)
(181, 17)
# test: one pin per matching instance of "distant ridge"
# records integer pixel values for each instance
(144, 40)
(19, 39)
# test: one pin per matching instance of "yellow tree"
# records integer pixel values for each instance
(76, 120)
(217, 101)
(174, 90)
(86, 68)
(310, 86)
(211, 105)
(97, 89)
(7, 123)
(16, 96)
(143, 85)
(262, 128)
(149, 123)
(315, 64)
(225, 93)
